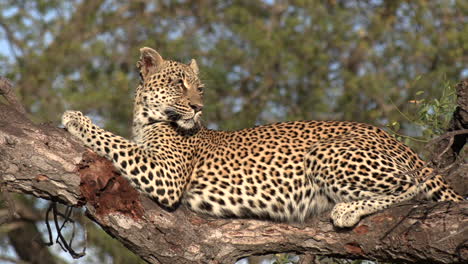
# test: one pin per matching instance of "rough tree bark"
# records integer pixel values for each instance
(44, 161)
(454, 145)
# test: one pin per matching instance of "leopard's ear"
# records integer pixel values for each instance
(193, 64)
(149, 62)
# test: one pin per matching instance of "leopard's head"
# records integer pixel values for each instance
(169, 91)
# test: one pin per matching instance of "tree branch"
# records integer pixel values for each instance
(6, 90)
(451, 145)
(46, 162)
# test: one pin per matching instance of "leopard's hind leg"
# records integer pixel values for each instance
(359, 176)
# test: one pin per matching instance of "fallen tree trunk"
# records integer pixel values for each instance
(46, 162)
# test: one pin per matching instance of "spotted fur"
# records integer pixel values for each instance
(284, 172)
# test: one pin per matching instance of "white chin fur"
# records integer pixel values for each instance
(191, 123)
(186, 123)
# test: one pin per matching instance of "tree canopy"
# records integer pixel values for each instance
(262, 61)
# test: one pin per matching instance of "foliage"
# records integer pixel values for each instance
(435, 113)
(431, 115)
(285, 259)
(262, 61)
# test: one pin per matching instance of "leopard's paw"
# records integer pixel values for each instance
(345, 215)
(74, 116)
(75, 122)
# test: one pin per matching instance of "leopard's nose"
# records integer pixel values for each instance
(196, 107)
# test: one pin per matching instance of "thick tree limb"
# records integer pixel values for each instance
(7, 92)
(46, 162)
(453, 145)
(29, 245)
(23, 234)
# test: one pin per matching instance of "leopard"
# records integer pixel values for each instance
(285, 172)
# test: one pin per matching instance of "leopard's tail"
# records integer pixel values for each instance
(437, 189)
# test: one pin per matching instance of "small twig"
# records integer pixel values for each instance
(449, 145)
(447, 168)
(7, 92)
(409, 137)
(389, 231)
(61, 240)
(433, 162)
(412, 172)
(66, 246)
(60, 237)
(66, 217)
(49, 230)
(72, 234)
(447, 135)
(409, 215)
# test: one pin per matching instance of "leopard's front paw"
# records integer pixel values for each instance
(74, 116)
(70, 116)
(72, 120)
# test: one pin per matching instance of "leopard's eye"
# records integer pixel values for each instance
(200, 88)
(178, 82)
